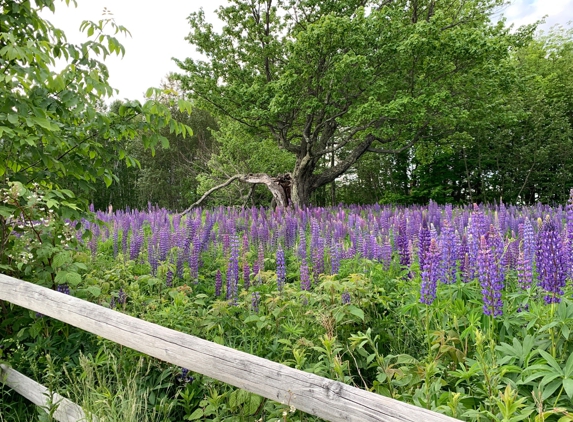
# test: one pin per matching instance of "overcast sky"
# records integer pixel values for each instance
(158, 30)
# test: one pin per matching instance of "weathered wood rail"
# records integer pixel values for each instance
(66, 410)
(322, 397)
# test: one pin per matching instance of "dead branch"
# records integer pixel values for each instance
(279, 187)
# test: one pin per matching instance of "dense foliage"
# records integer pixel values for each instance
(54, 132)
(466, 311)
(463, 310)
(330, 81)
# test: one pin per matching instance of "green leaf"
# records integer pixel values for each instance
(197, 414)
(568, 387)
(253, 403)
(551, 361)
(184, 105)
(45, 123)
(251, 318)
(551, 388)
(61, 259)
(6, 212)
(73, 279)
(356, 311)
(94, 290)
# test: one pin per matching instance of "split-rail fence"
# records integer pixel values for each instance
(322, 397)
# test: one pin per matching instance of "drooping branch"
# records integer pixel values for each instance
(279, 187)
(209, 192)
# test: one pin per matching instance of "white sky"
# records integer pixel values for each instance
(158, 30)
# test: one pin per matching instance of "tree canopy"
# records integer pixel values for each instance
(330, 81)
(54, 130)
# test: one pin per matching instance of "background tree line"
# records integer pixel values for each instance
(500, 129)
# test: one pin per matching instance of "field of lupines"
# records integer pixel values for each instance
(440, 244)
(466, 311)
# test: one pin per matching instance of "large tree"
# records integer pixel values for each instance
(337, 79)
(54, 132)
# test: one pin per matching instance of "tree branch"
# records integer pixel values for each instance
(273, 183)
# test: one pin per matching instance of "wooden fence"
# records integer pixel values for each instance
(322, 397)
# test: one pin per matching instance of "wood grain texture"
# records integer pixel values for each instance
(328, 399)
(67, 410)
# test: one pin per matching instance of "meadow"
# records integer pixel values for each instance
(463, 310)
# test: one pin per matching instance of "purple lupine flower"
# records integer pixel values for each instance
(402, 243)
(255, 297)
(386, 253)
(301, 243)
(194, 258)
(93, 242)
(135, 244)
(226, 243)
(218, 283)
(304, 276)
(476, 228)
(152, 257)
(569, 250)
(124, 238)
(179, 263)
(260, 262)
(430, 273)
(164, 242)
(551, 262)
(497, 247)
(115, 239)
(358, 242)
(63, 288)
(233, 270)
(318, 259)
(488, 276)
(281, 269)
(245, 245)
(346, 299)
(314, 233)
(169, 278)
(448, 253)
(524, 272)
(423, 241)
(185, 377)
(464, 257)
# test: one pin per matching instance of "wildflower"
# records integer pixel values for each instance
(318, 258)
(63, 288)
(488, 276)
(184, 376)
(345, 298)
(448, 253)
(255, 297)
(164, 242)
(218, 283)
(304, 276)
(430, 273)
(423, 241)
(233, 270)
(281, 269)
(551, 262)
(121, 297)
(569, 251)
(403, 243)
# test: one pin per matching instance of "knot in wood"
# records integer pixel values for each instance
(333, 389)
